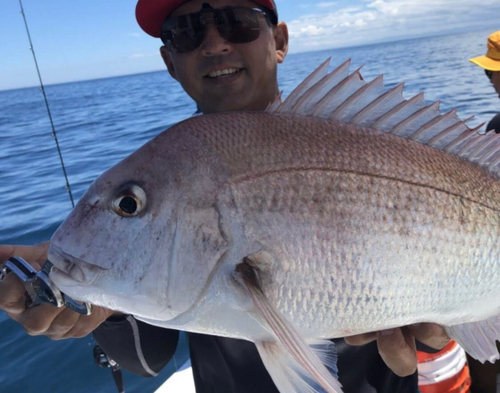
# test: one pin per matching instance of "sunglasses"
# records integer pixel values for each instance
(489, 73)
(237, 25)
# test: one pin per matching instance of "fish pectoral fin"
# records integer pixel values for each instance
(290, 375)
(293, 365)
(478, 339)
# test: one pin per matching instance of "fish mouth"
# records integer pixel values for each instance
(69, 268)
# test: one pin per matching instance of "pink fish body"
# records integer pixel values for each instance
(345, 209)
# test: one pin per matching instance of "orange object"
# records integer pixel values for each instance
(445, 371)
(491, 61)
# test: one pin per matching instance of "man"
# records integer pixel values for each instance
(225, 54)
(485, 376)
(491, 65)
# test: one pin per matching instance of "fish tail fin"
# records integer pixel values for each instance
(478, 339)
(293, 365)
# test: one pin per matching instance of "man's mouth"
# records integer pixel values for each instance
(223, 73)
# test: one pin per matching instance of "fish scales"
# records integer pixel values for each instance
(306, 244)
(370, 185)
(361, 187)
(311, 141)
(282, 228)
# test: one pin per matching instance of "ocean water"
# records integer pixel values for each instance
(100, 122)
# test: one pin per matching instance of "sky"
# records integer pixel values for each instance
(88, 39)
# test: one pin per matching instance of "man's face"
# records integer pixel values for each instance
(252, 87)
(495, 80)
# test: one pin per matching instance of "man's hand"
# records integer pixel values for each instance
(397, 346)
(45, 319)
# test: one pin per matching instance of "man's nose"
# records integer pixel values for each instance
(213, 43)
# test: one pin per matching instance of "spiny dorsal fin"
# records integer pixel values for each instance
(306, 84)
(337, 95)
(310, 99)
(377, 110)
(346, 97)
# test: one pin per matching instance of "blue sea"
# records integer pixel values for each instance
(100, 122)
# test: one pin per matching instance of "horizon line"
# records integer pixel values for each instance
(379, 42)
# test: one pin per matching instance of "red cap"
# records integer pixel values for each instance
(151, 14)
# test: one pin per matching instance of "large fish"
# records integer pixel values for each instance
(344, 209)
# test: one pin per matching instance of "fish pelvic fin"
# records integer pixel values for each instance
(348, 98)
(294, 365)
(478, 339)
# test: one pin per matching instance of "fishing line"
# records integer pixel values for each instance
(42, 88)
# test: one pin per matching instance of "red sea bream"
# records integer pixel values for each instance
(344, 209)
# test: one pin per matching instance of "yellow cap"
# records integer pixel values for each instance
(491, 61)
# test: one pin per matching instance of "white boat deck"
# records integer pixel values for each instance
(180, 382)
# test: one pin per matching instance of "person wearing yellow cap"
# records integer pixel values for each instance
(225, 55)
(491, 65)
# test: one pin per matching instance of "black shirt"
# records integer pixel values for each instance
(225, 365)
(494, 124)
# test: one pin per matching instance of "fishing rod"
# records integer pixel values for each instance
(42, 88)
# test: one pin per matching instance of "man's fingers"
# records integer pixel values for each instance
(361, 339)
(430, 334)
(36, 253)
(397, 349)
(44, 319)
(12, 293)
(6, 251)
(84, 326)
(37, 320)
(62, 324)
(397, 346)
(12, 298)
(88, 323)
(59, 323)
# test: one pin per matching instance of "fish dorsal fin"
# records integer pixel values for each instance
(306, 84)
(348, 98)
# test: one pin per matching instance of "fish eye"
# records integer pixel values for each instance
(128, 205)
(130, 201)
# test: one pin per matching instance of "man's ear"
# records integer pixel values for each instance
(167, 59)
(281, 40)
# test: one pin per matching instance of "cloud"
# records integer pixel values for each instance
(329, 4)
(383, 7)
(379, 20)
(137, 56)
